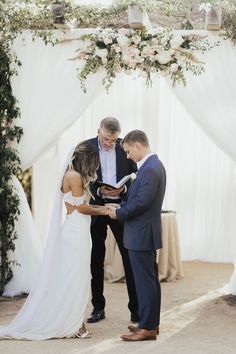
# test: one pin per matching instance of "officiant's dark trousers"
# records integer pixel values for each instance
(99, 233)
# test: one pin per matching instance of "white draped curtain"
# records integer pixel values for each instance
(201, 181)
(50, 100)
(211, 98)
(201, 184)
(48, 91)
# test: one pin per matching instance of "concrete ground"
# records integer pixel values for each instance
(195, 319)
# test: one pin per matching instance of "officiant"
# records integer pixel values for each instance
(114, 165)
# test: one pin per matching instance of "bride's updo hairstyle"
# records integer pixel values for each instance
(85, 161)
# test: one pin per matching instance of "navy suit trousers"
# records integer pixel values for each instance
(148, 288)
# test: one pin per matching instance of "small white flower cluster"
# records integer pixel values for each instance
(206, 6)
(124, 50)
(133, 176)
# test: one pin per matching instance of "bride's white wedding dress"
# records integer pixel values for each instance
(56, 306)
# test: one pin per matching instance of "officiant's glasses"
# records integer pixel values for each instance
(108, 139)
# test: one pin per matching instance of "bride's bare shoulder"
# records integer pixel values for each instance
(72, 180)
(72, 174)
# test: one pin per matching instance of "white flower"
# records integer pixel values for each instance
(174, 68)
(125, 57)
(133, 176)
(122, 40)
(102, 53)
(176, 41)
(107, 40)
(163, 57)
(140, 59)
(154, 41)
(136, 39)
(118, 49)
(147, 51)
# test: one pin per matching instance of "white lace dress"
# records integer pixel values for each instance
(56, 306)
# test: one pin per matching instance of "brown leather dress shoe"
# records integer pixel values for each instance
(140, 335)
(133, 328)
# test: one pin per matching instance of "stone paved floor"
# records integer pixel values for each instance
(195, 319)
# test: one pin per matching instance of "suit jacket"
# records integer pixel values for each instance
(142, 211)
(124, 167)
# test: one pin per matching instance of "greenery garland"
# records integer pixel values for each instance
(38, 15)
(9, 132)
(9, 201)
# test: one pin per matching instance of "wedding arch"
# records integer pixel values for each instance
(70, 107)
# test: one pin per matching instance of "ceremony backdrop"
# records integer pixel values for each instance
(201, 181)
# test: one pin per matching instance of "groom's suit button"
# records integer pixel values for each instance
(96, 316)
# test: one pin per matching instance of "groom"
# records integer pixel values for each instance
(141, 215)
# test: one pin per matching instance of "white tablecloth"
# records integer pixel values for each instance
(168, 258)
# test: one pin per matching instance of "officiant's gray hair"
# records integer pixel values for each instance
(112, 125)
(136, 136)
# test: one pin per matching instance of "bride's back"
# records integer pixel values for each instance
(72, 181)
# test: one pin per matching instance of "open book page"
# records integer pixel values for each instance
(115, 186)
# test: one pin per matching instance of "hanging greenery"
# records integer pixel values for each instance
(9, 132)
(9, 201)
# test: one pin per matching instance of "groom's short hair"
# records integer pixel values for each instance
(136, 136)
(112, 125)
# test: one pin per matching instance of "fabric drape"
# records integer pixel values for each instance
(200, 177)
(48, 91)
(50, 99)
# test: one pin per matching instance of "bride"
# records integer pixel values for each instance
(55, 308)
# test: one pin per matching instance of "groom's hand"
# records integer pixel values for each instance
(112, 212)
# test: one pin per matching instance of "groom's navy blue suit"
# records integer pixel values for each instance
(142, 236)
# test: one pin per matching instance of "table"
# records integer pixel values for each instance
(168, 258)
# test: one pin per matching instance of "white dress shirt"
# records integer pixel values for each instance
(141, 162)
(108, 167)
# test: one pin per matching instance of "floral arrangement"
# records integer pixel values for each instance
(161, 52)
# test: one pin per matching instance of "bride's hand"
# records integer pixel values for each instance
(70, 208)
(104, 209)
